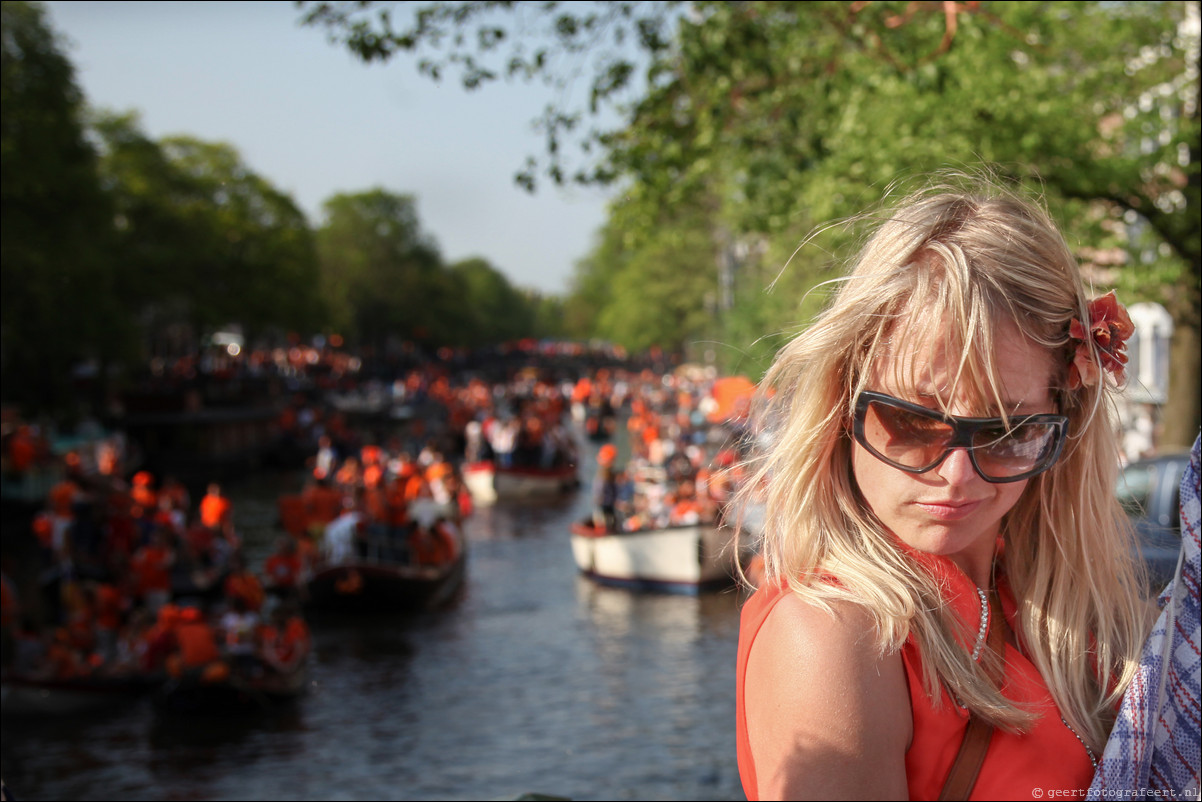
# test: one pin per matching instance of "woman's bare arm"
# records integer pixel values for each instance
(827, 717)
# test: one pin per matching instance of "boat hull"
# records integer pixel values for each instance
(237, 694)
(489, 484)
(363, 587)
(684, 559)
(28, 697)
(521, 483)
(478, 477)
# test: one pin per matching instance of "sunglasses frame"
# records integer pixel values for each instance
(963, 430)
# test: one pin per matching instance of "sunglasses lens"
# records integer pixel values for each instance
(1023, 448)
(905, 438)
(913, 441)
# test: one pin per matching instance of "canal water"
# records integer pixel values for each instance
(532, 680)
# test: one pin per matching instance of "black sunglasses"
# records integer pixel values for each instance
(915, 439)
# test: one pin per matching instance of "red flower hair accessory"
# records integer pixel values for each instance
(1107, 329)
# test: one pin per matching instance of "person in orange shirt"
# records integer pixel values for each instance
(415, 485)
(951, 608)
(437, 544)
(605, 490)
(63, 660)
(168, 516)
(202, 542)
(62, 497)
(243, 584)
(111, 606)
(175, 490)
(286, 639)
(398, 520)
(197, 653)
(348, 477)
(142, 491)
(151, 569)
(282, 570)
(119, 532)
(158, 640)
(375, 503)
(373, 475)
(216, 512)
(22, 450)
(398, 502)
(373, 469)
(457, 491)
(686, 511)
(322, 504)
(582, 390)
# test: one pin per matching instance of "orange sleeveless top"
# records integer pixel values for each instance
(1017, 766)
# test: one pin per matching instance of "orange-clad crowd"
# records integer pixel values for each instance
(136, 577)
(682, 469)
(135, 581)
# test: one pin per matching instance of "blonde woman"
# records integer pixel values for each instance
(947, 569)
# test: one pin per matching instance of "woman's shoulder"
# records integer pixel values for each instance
(822, 702)
(832, 634)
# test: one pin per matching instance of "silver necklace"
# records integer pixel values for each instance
(982, 630)
(983, 627)
(1092, 757)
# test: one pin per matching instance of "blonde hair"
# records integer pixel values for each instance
(952, 268)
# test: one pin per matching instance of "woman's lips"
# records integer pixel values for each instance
(949, 510)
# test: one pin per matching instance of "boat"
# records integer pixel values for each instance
(478, 478)
(677, 559)
(489, 483)
(376, 578)
(528, 481)
(363, 587)
(244, 689)
(33, 696)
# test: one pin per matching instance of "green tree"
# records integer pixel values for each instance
(57, 306)
(259, 264)
(550, 317)
(201, 238)
(382, 274)
(491, 309)
(650, 285)
(795, 114)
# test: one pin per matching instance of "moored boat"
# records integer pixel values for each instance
(381, 587)
(489, 483)
(386, 577)
(478, 478)
(28, 696)
(678, 559)
(244, 689)
(532, 482)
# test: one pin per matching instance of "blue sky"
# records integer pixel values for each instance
(314, 121)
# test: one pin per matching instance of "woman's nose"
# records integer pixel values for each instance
(957, 467)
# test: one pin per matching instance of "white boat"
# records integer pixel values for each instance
(680, 559)
(478, 478)
(488, 483)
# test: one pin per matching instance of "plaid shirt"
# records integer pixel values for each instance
(1155, 742)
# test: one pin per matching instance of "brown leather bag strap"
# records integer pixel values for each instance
(967, 765)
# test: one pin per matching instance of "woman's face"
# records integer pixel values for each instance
(950, 510)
